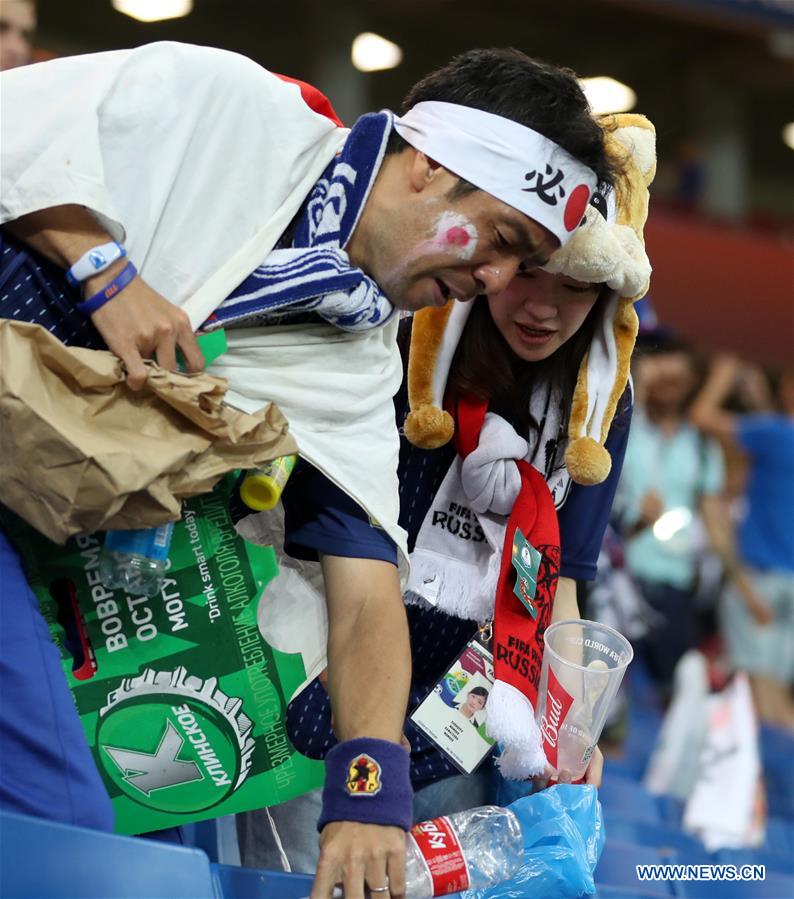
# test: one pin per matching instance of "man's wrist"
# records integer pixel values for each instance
(111, 290)
(98, 282)
(368, 781)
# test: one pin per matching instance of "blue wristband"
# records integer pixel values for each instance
(95, 261)
(368, 781)
(114, 288)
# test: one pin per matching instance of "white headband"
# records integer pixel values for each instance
(509, 161)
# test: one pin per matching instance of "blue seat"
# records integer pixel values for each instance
(780, 805)
(671, 810)
(777, 864)
(627, 799)
(780, 837)
(630, 766)
(48, 860)
(610, 892)
(248, 883)
(774, 886)
(617, 868)
(776, 742)
(665, 840)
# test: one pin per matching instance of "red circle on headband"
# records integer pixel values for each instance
(575, 207)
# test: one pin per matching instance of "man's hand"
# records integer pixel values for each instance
(140, 324)
(136, 324)
(651, 507)
(356, 854)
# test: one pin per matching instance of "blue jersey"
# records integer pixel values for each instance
(766, 537)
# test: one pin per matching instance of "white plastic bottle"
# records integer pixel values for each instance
(468, 850)
(136, 561)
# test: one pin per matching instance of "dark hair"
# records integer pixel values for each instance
(484, 366)
(508, 83)
(478, 691)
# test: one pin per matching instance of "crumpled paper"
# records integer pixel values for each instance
(81, 452)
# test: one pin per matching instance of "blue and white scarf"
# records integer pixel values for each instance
(313, 274)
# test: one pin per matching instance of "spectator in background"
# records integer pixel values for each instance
(758, 607)
(671, 475)
(17, 26)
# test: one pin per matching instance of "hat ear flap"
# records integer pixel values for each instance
(434, 338)
(604, 371)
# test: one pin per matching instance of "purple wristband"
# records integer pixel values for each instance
(114, 288)
(367, 780)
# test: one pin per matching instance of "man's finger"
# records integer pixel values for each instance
(136, 370)
(353, 880)
(376, 877)
(194, 359)
(325, 879)
(395, 868)
(166, 354)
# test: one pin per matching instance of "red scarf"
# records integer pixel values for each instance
(518, 637)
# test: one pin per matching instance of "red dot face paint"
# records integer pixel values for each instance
(458, 237)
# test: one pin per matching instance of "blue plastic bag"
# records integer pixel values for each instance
(563, 838)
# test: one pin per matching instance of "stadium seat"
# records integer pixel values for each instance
(671, 810)
(616, 868)
(774, 886)
(780, 837)
(777, 864)
(93, 865)
(610, 892)
(664, 840)
(627, 799)
(248, 883)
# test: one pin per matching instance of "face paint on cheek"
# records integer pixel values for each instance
(455, 233)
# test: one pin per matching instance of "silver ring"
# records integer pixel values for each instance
(379, 889)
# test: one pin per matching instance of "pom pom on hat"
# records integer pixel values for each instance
(589, 459)
(429, 427)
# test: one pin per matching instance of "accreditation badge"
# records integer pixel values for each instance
(453, 714)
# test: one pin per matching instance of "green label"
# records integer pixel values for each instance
(526, 561)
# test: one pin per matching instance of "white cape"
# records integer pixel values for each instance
(198, 159)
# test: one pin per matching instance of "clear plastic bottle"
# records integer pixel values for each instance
(261, 488)
(136, 561)
(468, 850)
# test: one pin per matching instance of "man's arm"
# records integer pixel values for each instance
(719, 529)
(139, 322)
(706, 412)
(369, 673)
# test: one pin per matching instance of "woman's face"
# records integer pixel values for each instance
(475, 702)
(537, 312)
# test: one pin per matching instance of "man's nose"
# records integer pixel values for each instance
(493, 277)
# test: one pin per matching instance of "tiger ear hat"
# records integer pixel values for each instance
(608, 248)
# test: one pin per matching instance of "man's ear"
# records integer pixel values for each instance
(421, 170)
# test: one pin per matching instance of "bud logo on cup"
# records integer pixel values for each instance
(558, 704)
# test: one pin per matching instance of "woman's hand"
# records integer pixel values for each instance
(595, 769)
(592, 776)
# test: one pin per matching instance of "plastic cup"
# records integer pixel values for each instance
(583, 665)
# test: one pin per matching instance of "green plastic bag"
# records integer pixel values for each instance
(181, 698)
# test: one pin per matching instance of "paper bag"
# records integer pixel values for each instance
(81, 452)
